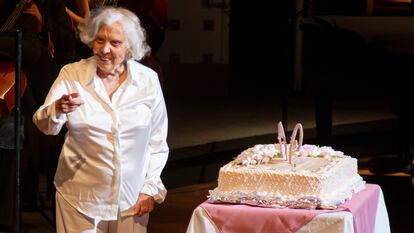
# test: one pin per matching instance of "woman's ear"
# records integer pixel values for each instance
(129, 54)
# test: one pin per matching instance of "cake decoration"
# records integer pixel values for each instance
(290, 175)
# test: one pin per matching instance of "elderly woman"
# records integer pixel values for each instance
(108, 174)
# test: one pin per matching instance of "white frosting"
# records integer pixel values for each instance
(329, 180)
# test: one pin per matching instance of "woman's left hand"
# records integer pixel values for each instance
(144, 204)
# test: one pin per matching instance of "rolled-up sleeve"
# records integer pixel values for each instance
(46, 118)
(159, 150)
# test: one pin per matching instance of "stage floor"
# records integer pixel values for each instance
(200, 130)
(197, 122)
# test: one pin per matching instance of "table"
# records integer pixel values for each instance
(328, 222)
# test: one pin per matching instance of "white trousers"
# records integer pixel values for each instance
(69, 220)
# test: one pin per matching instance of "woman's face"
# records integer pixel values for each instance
(110, 48)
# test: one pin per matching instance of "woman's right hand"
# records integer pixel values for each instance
(68, 103)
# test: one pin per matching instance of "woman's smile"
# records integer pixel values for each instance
(110, 48)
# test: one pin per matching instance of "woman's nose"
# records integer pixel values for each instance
(106, 47)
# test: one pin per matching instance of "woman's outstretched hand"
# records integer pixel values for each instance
(68, 103)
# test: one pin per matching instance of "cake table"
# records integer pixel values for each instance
(365, 212)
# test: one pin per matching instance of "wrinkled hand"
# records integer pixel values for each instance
(68, 103)
(144, 204)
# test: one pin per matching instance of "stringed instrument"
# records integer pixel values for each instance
(7, 84)
(7, 69)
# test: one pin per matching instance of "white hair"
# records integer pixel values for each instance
(131, 26)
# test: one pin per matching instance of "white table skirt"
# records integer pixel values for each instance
(335, 222)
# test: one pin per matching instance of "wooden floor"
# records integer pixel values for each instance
(237, 129)
(174, 214)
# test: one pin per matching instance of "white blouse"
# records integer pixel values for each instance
(113, 150)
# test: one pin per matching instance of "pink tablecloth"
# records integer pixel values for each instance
(230, 218)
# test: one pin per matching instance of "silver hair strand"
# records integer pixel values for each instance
(130, 23)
